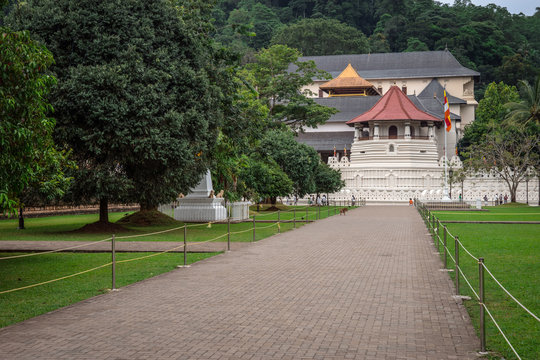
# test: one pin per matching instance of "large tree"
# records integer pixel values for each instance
(509, 151)
(322, 37)
(28, 157)
(280, 87)
(299, 161)
(490, 113)
(140, 92)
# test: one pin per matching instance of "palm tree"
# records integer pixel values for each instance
(528, 110)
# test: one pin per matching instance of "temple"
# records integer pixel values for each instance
(388, 138)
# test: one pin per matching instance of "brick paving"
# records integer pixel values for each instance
(361, 286)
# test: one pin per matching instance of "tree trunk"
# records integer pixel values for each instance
(21, 219)
(273, 200)
(148, 207)
(104, 210)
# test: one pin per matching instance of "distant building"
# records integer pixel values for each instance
(360, 81)
(388, 137)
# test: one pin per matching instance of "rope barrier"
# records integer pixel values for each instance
(149, 234)
(241, 231)
(467, 251)
(126, 260)
(265, 227)
(51, 281)
(498, 283)
(512, 296)
(149, 256)
(54, 251)
(502, 333)
(468, 283)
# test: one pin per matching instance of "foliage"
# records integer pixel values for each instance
(299, 161)
(509, 151)
(488, 38)
(264, 179)
(322, 37)
(490, 113)
(527, 111)
(327, 180)
(141, 92)
(28, 156)
(279, 89)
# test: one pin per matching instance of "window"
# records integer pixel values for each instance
(392, 132)
(320, 93)
(412, 132)
(404, 89)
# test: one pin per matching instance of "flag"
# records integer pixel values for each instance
(345, 150)
(334, 150)
(447, 113)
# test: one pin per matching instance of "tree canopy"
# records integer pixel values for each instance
(28, 156)
(141, 92)
(322, 37)
(280, 89)
(500, 45)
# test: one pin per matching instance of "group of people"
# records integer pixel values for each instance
(319, 201)
(497, 199)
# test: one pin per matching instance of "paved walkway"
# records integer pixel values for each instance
(361, 286)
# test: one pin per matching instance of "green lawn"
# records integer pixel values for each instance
(24, 304)
(512, 254)
(20, 272)
(509, 212)
(61, 227)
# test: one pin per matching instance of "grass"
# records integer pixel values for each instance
(512, 253)
(59, 228)
(19, 272)
(508, 212)
(24, 304)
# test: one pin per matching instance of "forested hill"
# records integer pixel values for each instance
(501, 46)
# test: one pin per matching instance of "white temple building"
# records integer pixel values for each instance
(388, 137)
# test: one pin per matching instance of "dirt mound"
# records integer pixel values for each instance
(272, 208)
(101, 228)
(146, 218)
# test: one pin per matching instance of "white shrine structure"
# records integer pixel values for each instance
(200, 205)
(389, 143)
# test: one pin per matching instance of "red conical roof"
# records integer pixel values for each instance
(394, 105)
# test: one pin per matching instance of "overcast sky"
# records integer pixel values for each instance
(528, 7)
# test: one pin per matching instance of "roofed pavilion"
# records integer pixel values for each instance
(394, 131)
(349, 83)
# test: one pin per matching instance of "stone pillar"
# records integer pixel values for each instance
(357, 133)
(376, 131)
(430, 131)
(407, 131)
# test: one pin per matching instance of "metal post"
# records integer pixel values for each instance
(278, 227)
(294, 218)
(307, 209)
(482, 311)
(438, 235)
(185, 244)
(456, 271)
(445, 254)
(253, 240)
(113, 254)
(228, 234)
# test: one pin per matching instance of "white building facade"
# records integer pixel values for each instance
(388, 138)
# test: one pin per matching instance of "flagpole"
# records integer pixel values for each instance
(446, 119)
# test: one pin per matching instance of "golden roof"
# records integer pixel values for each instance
(348, 78)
